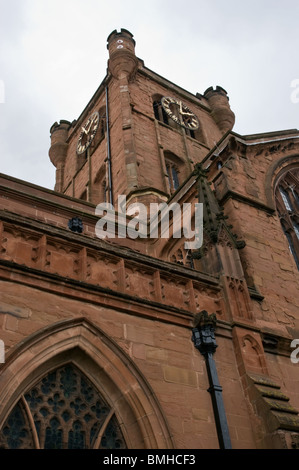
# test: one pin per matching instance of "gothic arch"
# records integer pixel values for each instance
(106, 366)
(176, 170)
(275, 171)
(174, 249)
(99, 186)
(282, 190)
(253, 353)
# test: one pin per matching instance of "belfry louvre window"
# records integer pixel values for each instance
(62, 411)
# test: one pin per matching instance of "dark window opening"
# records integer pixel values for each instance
(190, 133)
(173, 178)
(159, 112)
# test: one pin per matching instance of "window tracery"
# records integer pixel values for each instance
(62, 411)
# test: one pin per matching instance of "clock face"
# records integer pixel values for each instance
(180, 113)
(88, 132)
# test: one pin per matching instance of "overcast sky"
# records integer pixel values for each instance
(53, 57)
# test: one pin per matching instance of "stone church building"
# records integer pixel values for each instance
(139, 341)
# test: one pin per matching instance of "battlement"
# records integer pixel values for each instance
(122, 59)
(221, 111)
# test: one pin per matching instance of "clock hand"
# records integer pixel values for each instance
(184, 112)
(86, 131)
(181, 108)
(89, 127)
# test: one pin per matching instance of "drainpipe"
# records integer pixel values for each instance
(203, 336)
(108, 149)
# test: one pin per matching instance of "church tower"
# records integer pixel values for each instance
(143, 342)
(140, 135)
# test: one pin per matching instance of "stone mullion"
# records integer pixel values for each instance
(103, 429)
(31, 422)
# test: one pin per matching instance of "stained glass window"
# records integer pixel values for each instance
(63, 411)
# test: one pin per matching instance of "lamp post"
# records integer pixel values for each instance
(203, 336)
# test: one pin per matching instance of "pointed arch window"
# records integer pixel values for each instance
(62, 411)
(99, 187)
(175, 171)
(173, 176)
(287, 205)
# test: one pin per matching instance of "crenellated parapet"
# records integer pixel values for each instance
(58, 149)
(221, 111)
(122, 59)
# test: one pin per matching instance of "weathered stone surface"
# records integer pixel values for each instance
(122, 309)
